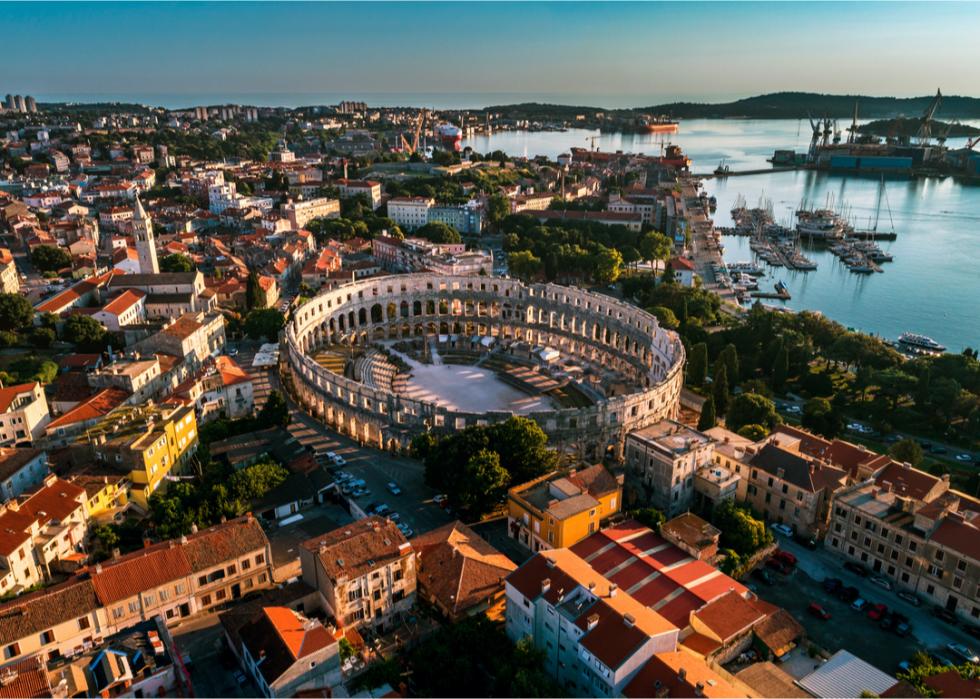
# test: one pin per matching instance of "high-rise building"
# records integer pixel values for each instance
(31, 104)
(145, 244)
(9, 101)
(19, 103)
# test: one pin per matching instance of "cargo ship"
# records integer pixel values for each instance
(661, 124)
(450, 135)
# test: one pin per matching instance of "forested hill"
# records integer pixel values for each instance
(796, 105)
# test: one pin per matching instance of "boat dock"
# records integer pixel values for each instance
(742, 173)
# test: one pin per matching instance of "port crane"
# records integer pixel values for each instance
(925, 124)
(852, 135)
(592, 140)
(814, 138)
(828, 129)
(412, 147)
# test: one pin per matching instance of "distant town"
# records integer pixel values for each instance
(321, 401)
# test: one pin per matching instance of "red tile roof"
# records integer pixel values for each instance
(91, 409)
(11, 393)
(124, 301)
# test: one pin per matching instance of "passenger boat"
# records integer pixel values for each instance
(920, 342)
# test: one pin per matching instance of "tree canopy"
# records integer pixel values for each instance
(740, 530)
(751, 409)
(48, 258)
(264, 323)
(16, 312)
(176, 263)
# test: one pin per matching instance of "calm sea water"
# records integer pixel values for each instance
(932, 287)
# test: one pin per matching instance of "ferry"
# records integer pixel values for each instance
(822, 224)
(920, 343)
(660, 124)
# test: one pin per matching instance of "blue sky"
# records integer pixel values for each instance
(633, 52)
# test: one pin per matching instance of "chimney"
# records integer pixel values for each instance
(592, 622)
(612, 589)
(322, 547)
(115, 554)
(682, 674)
(183, 539)
(592, 586)
(630, 620)
(545, 585)
(699, 689)
(549, 562)
(98, 567)
(194, 528)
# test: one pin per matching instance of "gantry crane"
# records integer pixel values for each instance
(925, 124)
(852, 135)
(592, 140)
(413, 147)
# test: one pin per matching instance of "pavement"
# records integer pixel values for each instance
(212, 665)
(848, 628)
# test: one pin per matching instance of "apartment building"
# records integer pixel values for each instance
(412, 254)
(220, 388)
(168, 294)
(128, 308)
(911, 527)
(9, 277)
(146, 442)
(174, 579)
(194, 336)
(410, 213)
(138, 377)
(23, 414)
(369, 189)
(559, 509)
(65, 428)
(465, 218)
(39, 532)
(300, 213)
(661, 462)
(21, 469)
(365, 572)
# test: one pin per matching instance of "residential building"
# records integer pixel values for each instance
(139, 377)
(128, 308)
(370, 189)
(146, 442)
(661, 461)
(169, 294)
(300, 213)
(174, 579)
(106, 493)
(194, 336)
(607, 218)
(63, 429)
(21, 469)
(559, 510)
(416, 254)
(693, 535)
(465, 218)
(531, 202)
(9, 277)
(40, 533)
(365, 572)
(27, 678)
(220, 388)
(459, 572)
(683, 270)
(316, 272)
(410, 213)
(912, 528)
(23, 414)
(285, 653)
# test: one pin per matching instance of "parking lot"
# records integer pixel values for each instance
(848, 628)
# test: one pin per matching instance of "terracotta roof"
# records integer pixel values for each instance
(959, 533)
(681, 264)
(907, 481)
(91, 409)
(806, 474)
(661, 676)
(124, 301)
(141, 570)
(53, 499)
(779, 631)
(357, 548)
(692, 530)
(280, 637)
(459, 567)
(9, 394)
(596, 479)
(231, 373)
(183, 327)
(14, 459)
(28, 678)
(769, 680)
(79, 361)
(36, 611)
(729, 616)
(222, 542)
(951, 684)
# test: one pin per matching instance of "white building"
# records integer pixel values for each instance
(662, 460)
(410, 213)
(301, 212)
(21, 470)
(23, 413)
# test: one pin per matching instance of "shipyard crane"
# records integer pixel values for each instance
(837, 132)
(592, 140)
(827, 131)
(852, 135)
(972, 142)
(941, 139)
(413, 147)
(925, 124)
(814, 138)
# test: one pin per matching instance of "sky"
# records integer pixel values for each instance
(601, 53)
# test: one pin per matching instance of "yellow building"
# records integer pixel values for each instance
(561, 509)
(106, 494)
(147, 442)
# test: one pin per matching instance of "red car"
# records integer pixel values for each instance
(785, 557)
(818, 611)
(778, 566)
(877, 611)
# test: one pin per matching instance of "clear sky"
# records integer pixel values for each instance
(633, 53)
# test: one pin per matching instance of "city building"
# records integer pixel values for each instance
(559, 510)
(21, 469)
(410, 213)
(128, 308)
(220, 388)
(465, 218)
(42, 533)
(138, 378)
(300, 213)
(416, 254)
(365, 572)
(194, 336)
(9, 277)
(23, 414)
(168, 294)
(459, 572)
(683, 270)
(66, 427)
(146, 248)
(661, 462)
(369, 189)
(912, 528)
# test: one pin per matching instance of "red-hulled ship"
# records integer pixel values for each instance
(450, 135)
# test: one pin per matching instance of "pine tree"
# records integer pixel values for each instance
(780, 369)
(697, 364)
(707, 419)
(720, 389)
(254, 298)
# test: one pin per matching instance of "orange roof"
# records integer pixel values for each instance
(300, 641)
(123, 302)
(55, 499)
(729, 615)
(5, 257)
(679, 674)
(143, 570)
(231, 373)
(92, 409)
(11, 393)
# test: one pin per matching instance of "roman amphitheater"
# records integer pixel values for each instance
(386, 358)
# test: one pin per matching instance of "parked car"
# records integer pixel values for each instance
(903, 629)
(818, 611)
(763, 575)
(785, 557)
(781, 528)
(963, 457)
(959, 650)
(909, 597)
(887, 622)
(881, 582)
(832, 584)
(381, 510)
(779, 566)
(394, 516)
(944, 614)
(440, 500)
(859, 604)
(877, 611)
(406, 530)
(848, 594)
(856, 568)
(339, 460)
(393, 488)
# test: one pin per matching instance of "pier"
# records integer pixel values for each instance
(757, 171)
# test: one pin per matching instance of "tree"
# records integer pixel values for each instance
(253, 482)
(906, 451)
(523, 264)
(439, 232)
(48, 258)
(16, 312)
(42, 337)
(753, 433)
(498, 207)
(254, 295)
(729, 357)
(264, 322)
(482, 483)
(523, 448)
(780, 368)
(275, 411)
(666, 317)
(608, 265)
(740, 531)
(820, 416)
(176, 263)
(649, 517)
(719, 388)
(697, 365)
(751, 409)
(655, 246)
(708, 418)
(86, 332)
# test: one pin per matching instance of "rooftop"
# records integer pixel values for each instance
(671, 436)
(358, 548)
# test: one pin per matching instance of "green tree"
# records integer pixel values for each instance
(719, 388)
(439, 232)
(16, 312)
(254, 296)
(697, 365)
(176, 263)
(666, 317)
(753, 432)
(253, 482)
(655, 246)
(275, 411)
(820, 416)
(649, 517)
(87, 333)
(48, 258)
(523, 448)
(498, 207)
(729, 357)
(780, 368)
(608, 265)
(482, 483)
(264, 323)
(707, 420)
(751, 409)
(906, 451)
(523, 264)
(740, 531)
(42, 337)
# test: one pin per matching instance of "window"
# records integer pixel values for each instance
(148, 599)
(83, 623)
(134, 607)
(961, 565)
(912, 546)
(206, 600)
(202, 580)
(164, 595)
(11, 651)
(246, 564)
(398, 575)
(957, 583)
(179, 587)
(231, 569)
(939, 555)
(898, 539)
(219, 595)
(260, 559)
(117, 613)
(47, 637)
(930, 589)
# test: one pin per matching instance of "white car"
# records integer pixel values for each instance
(962, 651)
(793, 409)
(393, 488)
(963, 457)
(781, 528)
(881, 582)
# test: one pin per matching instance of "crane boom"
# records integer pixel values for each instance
(925, 126)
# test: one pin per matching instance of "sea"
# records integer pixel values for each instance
(933, 285)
